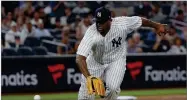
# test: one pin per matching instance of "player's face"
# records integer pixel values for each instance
(103, 28)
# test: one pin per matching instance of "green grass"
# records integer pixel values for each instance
(73, 96)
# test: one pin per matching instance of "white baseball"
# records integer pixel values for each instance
(37, 97)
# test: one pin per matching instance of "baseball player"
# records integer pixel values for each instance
(101, 55)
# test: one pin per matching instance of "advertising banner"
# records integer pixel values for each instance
(155, 71)
(58, 74)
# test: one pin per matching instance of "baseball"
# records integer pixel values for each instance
(37, 97)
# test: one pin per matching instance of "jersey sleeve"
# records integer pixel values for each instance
(86, 43)
(131, 23)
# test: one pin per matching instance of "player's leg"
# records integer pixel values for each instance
(83, 94)
(114, 75)
(96, 70)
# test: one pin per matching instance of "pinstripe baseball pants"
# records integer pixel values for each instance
(112, 74)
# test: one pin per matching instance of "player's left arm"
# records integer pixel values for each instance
(134, 22)
(160, 28)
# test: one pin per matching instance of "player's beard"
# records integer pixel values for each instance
(101, 31)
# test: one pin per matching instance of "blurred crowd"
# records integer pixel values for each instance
(64, 23)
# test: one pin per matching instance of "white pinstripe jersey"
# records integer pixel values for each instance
(111, 47)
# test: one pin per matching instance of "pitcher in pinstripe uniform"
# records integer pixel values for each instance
(102, 51)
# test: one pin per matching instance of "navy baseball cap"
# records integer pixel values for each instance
(102, 15)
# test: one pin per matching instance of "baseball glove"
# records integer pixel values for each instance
(95, 86)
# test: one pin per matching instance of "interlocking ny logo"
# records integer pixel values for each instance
(116, 43)
(99, 14)
(56, 71)
(135, 68)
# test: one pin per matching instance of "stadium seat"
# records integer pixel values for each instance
(72, 36)
(46, 38)
(50, 47)
(2, 38)
(58, 37)
(184, 43)
(149, 42)
(32, 42)
(40, 51)
(12, 45)
(25, 51)
(147, 49)
(9, 52)
(72, 42)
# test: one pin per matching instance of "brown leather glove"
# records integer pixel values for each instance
(95, 86)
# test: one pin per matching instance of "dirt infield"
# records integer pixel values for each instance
(165, 97)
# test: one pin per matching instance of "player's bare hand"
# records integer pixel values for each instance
(161, 29)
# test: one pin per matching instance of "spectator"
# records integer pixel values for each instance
(19, 13)
(161, 45)
(12, 36)
(10, 5)
(124, 12)
(70, 16)
(180, 16)
(71, 4)
(113, 14)
(151, 36)
(172, 34)
(4, 27)
(9, 19)
(65, 34)
(157, 14)
(76, 23)
(48, 9)
(45, 18)
(143, 10)
(56, 29)
(20, 23)
(165, 7)
(177, 47)
(184, 8)
(136, 38)
(58, 8)
(65, 40)
(3, 11)
(81, 9)
(41, 12)
(82, 27)
(178, 5)
(132, 48)
(36, 20)
(16, 12)
(28, 8)
(27, 31)
(174, 8)
(184, 35)
(40, 31)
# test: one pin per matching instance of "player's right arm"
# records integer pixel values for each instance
(94, 84)
(81, 62)
(83, 50)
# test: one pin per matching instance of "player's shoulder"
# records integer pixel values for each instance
(118, 21)
(91, 30)
(119, 18)
(92, 27)
(122, 18)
